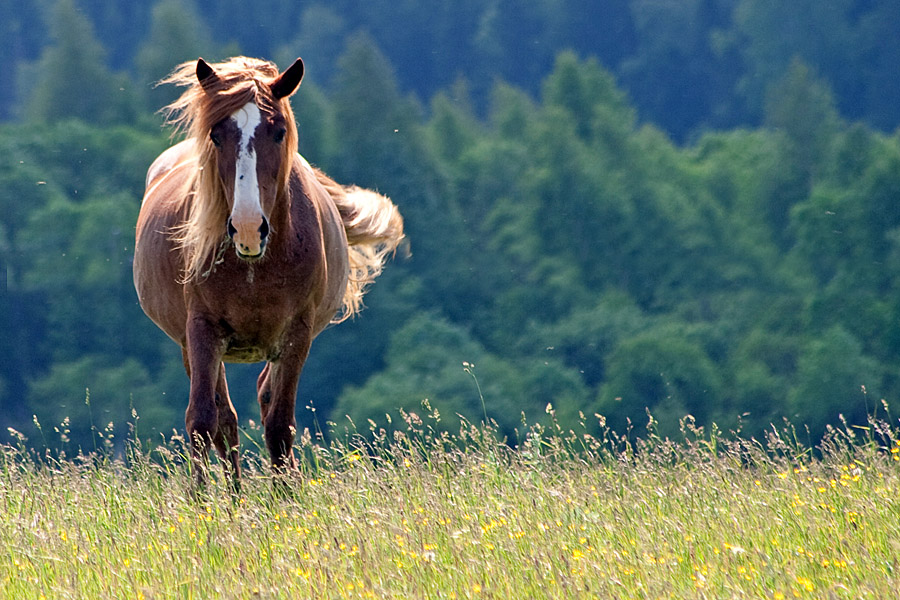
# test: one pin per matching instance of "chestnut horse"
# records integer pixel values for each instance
(244, 252)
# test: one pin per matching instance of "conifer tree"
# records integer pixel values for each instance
(177, 33)
(71, 78)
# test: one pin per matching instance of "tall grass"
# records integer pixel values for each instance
(420, 513)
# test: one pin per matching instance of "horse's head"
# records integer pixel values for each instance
(250, 151)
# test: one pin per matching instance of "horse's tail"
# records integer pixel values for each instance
(374, 229)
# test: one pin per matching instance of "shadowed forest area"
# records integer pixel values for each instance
(686, 206)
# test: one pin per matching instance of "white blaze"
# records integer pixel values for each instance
(246, 186)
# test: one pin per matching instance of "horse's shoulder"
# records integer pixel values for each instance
(172, 157)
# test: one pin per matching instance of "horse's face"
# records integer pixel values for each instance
(251, 153)
(249, 162)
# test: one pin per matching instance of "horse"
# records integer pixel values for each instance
(244, 252)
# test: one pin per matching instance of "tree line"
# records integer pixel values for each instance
(688, 65)
(565, 249)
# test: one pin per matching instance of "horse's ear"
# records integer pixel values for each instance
(287, 82)
(206, 75)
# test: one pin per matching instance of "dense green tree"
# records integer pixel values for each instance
(71, 198)
(71, 80)
(584, 338)
(85, 270)
(316, 126)
(424, 361)
(384, 148)
(776, 34)
(879, 50)
(844, 233)
(802, 107)
(829, 232)
(678, 75)
(97, 400)
(119, 26)
(590, 96)
(177, 33)
(662, 371)
(432, 359)
(834, 379)
(23, 189)
(453, 128)
(762, 361)
(23, 33)
(320, 37)
(878, 186)
(376, 123)
(689, 65)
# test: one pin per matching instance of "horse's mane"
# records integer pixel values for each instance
(194, 113)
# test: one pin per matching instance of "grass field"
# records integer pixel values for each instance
(422, 514)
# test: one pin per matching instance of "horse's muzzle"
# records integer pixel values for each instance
(249, 244)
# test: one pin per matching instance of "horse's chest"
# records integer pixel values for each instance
(256, 311)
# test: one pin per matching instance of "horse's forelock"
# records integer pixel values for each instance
(239, 80)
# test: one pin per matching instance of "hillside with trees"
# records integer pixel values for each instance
(683, 207)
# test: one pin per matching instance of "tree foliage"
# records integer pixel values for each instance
(71, 79)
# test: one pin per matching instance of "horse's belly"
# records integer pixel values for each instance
(249, 349)
(244, 354)
(258, 333)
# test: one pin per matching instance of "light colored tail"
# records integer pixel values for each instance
(374, 229)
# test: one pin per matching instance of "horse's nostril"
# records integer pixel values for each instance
(264, 229)
(231, 230)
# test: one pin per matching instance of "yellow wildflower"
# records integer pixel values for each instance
(805, 583)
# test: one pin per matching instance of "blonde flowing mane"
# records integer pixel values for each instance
(194, 113)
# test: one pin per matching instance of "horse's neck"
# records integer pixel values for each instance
(301, 183)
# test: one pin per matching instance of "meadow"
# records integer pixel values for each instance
(421, 512)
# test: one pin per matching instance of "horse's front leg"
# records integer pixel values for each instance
(277, 395)
(226, 438)
(203, 356)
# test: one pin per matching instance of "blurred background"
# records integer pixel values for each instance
(686, 206)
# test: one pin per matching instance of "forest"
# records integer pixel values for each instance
(681, 207)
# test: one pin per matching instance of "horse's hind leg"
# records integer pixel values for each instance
(264, 396)
(261, 382)
(226, 438)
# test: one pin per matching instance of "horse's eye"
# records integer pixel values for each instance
(279, 135)
(216, 140)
